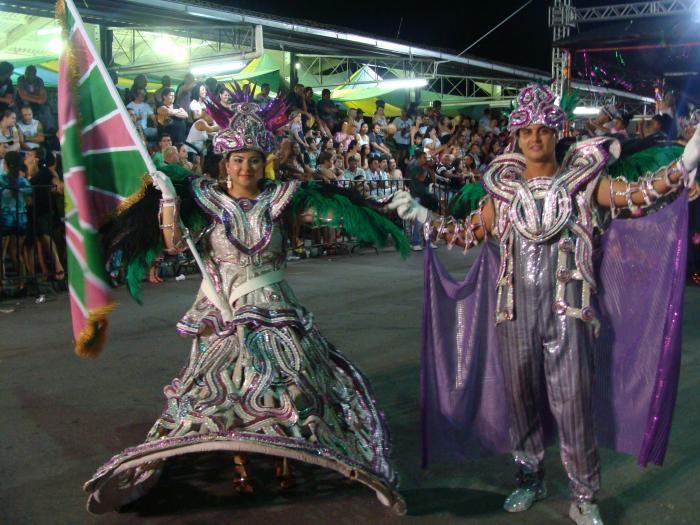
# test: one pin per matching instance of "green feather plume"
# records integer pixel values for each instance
(351, 212)
(466, 201)
(645, 161)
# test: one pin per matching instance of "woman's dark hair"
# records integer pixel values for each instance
(323, 157)
(352, 144)
(194, 95)
(40, 155)
(7, 113)
(15, 164)
(211, 164)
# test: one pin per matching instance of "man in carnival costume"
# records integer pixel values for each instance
(559, 308)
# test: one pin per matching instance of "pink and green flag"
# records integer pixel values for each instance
(103, 161)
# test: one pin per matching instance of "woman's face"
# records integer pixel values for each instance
(328, 144)
(244, 169)
(225, 97)
(9, 121)
(31, 161)
(202, 91)
(182, 152)
(364, 129)
(392, 164)
(296, 150)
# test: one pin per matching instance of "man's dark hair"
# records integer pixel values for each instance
(166, 92)
(420, 153)
(374, 157)
(326, 91)
(163, 135)
(323, 157)
(264, 85)
(6, 68)
(665, 121)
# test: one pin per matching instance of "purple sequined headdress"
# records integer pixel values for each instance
(536, 105)
(247, 124)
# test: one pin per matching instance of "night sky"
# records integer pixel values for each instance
(524, 40)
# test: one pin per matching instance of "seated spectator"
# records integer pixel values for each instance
(324, 168)
(376, 141)
(165, 83)
(416, 146)
(224, 96)
(379, 118)
(171, 155)
(495, 129)
(31, 130)
(485, 120)
(344, 136)
(7, 89)
(189, 161)
(312, 151)
(362, 136)
(291, 162)
(200, 133)
(198, 95)
(144, 113)
(31, 90)
(9, 132)
(137, 125)
(140, 82)
(469, 169)
(338, 166)
(327, 110)
(353, 149)
(365, 152)
(164, 141)
(263, 98)
(353, 170)
(445, 129)
(376, 178)
(402, 136)
(431, 143)
(328, 144)
(171, 118)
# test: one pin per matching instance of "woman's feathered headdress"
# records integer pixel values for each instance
(246, 124)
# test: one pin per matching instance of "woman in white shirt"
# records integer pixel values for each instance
(199, 93)
(362, 136)
(199, 133)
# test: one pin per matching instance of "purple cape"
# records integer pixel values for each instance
(640, 271)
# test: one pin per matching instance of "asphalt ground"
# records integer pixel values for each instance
(61, 417)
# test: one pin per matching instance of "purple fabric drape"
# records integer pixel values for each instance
(641, 277)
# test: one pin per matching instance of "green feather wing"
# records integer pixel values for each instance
(466, 201)
(645, 161)
(347, 208)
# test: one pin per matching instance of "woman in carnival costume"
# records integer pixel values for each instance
(260, 377)
(570, 344)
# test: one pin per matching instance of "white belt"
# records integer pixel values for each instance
(265, 279)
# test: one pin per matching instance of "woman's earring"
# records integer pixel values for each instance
(229, 184)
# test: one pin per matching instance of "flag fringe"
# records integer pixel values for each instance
(93, 336)
(134, 197)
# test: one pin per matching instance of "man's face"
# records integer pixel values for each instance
(27, 115)
(139, 96)
(422, 160)
(383, 165)
(30, 74)
(265, 90)
(374, 165)
(537, 142)
(352, 163)
(376, 128)
(165, 142)
(299, 89)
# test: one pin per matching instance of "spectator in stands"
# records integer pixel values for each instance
(164, 141)
(7, 89)
(344, 136)
(362, 136)
(224, 96)
(9, 132)
(353, 149)
(445, 129)
(312, 151)
(13, 213)
(198, 95)
(171, 118)
(31, 90)
(183, 158)
(296, 132)
(418, 181)
(324, 168)
(165, 83)
(183, 93)
(379, 118)
(417, 145)
(263, 98)
(376, 141)
(170, 155)
(3, 152)
(353, 170)
(199, 134)
(485, 121)
(603, 123)
(137, 125)
(327, 110)
(44, 183)
(143, 112)
(211, 84)
(359, 119)
(402, 137)
(365, 153)
(31, 130)
(140, 82)
(431, 142)
(658, 128)
(469, 169)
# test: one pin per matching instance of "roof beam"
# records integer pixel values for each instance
(608, 13)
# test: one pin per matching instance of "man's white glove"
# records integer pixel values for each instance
(164, 185)
(408, 208)
(691, 156)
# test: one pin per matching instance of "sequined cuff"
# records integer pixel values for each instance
(454, 230)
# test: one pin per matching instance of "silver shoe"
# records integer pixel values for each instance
(585, 514)
(523, 497)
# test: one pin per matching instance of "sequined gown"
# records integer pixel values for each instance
(267, 382)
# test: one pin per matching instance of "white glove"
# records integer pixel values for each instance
(691, 156)
(408, 208)
(164, 185)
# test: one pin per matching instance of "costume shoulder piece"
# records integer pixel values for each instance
(500, 179)
(585, 160)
